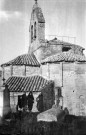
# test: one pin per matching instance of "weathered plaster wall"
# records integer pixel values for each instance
(74, 85)
(41, 31)
(18, 70)
(80, 83)
(33, 71)
(49, 50)
(69, 89)
(21, 71)
(7, 72)
(73, 82)
(45, 71)
(53, 72)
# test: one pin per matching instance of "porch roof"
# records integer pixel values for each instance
(25, 84)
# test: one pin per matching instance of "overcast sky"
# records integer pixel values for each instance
(63, 18)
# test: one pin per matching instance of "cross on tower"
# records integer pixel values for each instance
(36, 1)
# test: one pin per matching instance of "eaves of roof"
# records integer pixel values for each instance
(26, 59)
(27, 84)
(64, 57)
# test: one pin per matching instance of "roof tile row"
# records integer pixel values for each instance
(64, 56)
(26, 59)
(26, 84)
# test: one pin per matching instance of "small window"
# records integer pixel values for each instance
(31, 33)
(35, 30)
(65, 49)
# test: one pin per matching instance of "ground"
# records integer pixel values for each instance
(23, 123)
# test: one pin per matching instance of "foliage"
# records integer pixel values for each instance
(25, 123)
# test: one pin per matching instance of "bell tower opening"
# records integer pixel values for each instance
(35, 30)
(31, 33)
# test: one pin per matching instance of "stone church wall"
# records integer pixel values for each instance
(20, 71)
(33, 71)
(73, 83)
(69, 89)
(53, 72)
(7, 72)
(80, 80)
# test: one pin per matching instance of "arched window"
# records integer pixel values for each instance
(31, 33)
(35, 30)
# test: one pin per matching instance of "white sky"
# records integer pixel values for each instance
(63, 18)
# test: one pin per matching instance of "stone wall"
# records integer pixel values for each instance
(73, 83)
(41, 31)
(49, 50)
(18, 70)
(21, 71)
(53, 72)
(69, 89)
(45, 71)
(7, 72)
(80, 82)
(33, 71)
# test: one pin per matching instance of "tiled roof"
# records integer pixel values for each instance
(64, 56)
(26, 84)
(26, 59)
(56, 41)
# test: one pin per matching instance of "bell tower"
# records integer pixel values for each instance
(36, 28)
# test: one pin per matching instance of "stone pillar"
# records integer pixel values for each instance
(6, 100)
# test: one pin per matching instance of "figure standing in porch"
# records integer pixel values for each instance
(30, 100)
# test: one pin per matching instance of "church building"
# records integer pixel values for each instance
(55, 68)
